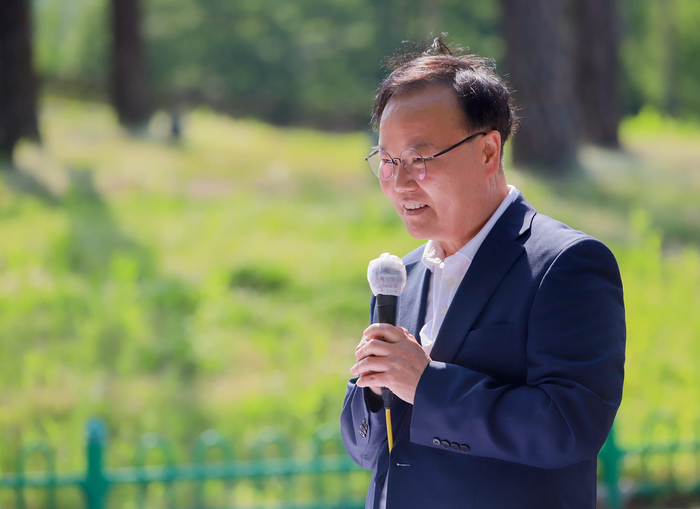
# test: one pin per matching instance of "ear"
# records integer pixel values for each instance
(491, 152)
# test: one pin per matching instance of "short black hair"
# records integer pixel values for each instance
(485, 99)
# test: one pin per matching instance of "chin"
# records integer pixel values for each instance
(418, 233)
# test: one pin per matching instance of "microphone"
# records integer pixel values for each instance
(387, 279)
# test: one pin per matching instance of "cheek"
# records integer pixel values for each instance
(452, 201)
(388, 189)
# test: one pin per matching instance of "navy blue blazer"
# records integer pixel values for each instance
(525, 379)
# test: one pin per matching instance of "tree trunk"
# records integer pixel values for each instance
(597, 32)
(18, 85)
(541, 76)
(129, 86)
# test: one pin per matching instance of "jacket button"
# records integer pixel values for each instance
(445, 444)
(363, 428)
(464, 448)
(436, 442)
(454, 447)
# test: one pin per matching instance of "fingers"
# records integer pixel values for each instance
(386, 332)
(377, 339)
(374, 381)
(370, 364)
(362, 343)
(371, 347)
(389, 356)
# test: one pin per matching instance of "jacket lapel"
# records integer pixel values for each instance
(492, 262)
(412, 302)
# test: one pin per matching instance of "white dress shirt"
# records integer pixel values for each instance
(448, 273)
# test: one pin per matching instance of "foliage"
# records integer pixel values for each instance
(200, 285)
(312, 63)
(71, 43)
(661, 296)
(220, 282)
(651, 123)
(660, 48)
(300, 61)
(318, 63)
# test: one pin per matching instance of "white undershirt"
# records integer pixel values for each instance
(447, 276)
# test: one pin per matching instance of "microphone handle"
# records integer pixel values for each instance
(386, 308)
(386, 313)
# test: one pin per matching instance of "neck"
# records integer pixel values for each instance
(498, 190)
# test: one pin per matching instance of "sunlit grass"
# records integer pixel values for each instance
(220, 281)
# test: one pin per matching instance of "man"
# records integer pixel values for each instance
(507, 362)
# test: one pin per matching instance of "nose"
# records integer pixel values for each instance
(403, 181)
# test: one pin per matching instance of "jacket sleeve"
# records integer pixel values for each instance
(363, 431)
(362, 428)
(574, 350)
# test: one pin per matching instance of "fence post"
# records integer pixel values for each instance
(95, 484)
(611, 456)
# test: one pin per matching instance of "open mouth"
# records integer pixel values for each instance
(414, 206)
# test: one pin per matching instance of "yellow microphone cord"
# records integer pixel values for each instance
(389, 433)
(387, 396)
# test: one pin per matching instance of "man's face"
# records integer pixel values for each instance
(448, 205)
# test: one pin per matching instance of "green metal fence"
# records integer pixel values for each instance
(97, 481)
(653, 469)
(650, 470)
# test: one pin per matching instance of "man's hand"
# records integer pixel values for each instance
(389, 356)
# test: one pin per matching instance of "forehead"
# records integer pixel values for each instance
(421, 118)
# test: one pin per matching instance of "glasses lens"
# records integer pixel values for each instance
(381, 164)
(414, 164)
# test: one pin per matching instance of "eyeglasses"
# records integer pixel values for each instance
(384, 166)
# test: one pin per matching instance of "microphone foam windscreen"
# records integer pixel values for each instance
(386, 275)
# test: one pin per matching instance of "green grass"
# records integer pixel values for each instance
(220, 282)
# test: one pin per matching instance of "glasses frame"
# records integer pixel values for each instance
(376, 150)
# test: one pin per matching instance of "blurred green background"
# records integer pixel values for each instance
(217, 279)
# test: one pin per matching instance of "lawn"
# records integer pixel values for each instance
(220, 281)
